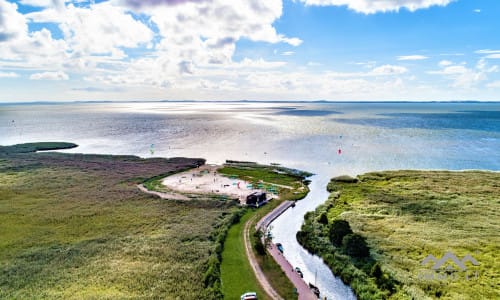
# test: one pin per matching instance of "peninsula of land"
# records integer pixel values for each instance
(77, 225)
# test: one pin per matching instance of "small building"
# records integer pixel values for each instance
(256, 199)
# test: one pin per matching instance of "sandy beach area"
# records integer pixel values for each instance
(206, 179)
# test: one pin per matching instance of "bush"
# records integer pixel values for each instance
(376, 271)
(338, 230)
(323, 219)
(355, 245)
(258, 245)
(345, 178)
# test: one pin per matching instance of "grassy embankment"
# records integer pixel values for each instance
(75, 226)
(34, 147)
(405, 216)
(236, 274)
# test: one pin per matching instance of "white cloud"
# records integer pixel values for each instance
(314, 64)
(487, 51)
(23, 49)
(152, 3)
(451, 70)
(452, 54)
(493, 56)
(99, 29)
(477, 10)
(372, 6)
(366, 64)
(215, 20)
(463, 77)
(494, 84)
(258, 64)
(123, 47)
(8, 75)
(389, 70)
(412, 57)
(50, 76)
(207, 32)
(12, 24)
(36, 50)
(177, 39)
(445, 63)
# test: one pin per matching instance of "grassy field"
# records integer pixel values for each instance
(237, 275)
(270, 268)
(75, 226)
(288, 183)
(405, 216)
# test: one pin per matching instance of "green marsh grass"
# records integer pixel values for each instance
(406, 215)
(75, 226)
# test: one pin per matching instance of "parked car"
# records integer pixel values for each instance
(314, 289)
(280, 247)
(249, 296)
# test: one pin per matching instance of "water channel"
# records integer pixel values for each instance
(284, 229)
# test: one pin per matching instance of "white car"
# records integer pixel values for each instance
(249, 296)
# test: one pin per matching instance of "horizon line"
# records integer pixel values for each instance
(49, 102)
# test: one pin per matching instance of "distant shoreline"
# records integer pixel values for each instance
(247, 101)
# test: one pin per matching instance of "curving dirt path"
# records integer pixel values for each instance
(171, 196)
(255, 266)
(179, 182)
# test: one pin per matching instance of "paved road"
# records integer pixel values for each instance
(267, 219)
(302, 288)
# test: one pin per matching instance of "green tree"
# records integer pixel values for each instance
(338, 230)
(355, 245)
(268, 239)
(258, 245)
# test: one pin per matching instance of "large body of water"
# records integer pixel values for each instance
(308, 136)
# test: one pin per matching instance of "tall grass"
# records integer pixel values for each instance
(406, 215)
(75, 226)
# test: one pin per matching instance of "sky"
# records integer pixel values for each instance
(339, 50)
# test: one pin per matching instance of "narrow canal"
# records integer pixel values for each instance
(284, 229)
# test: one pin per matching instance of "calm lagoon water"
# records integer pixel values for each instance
(371, 136)
(308, 136)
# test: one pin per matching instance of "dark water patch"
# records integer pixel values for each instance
(307, 113)
(283, 108)
(468, 120)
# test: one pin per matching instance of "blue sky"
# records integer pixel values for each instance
(58, 50)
